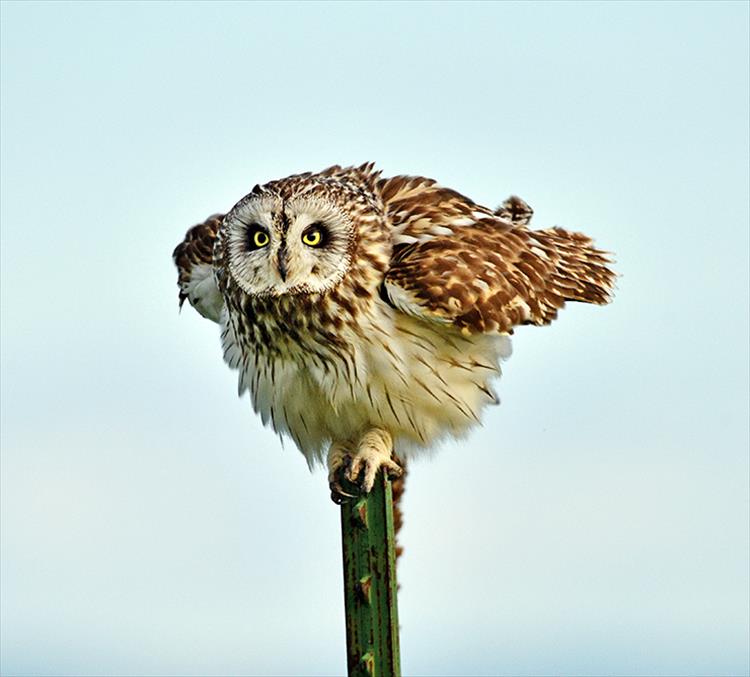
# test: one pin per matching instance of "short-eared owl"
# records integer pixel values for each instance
(366, 313)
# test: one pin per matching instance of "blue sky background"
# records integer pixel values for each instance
(596, 525)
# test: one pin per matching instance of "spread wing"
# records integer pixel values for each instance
(194, 260)
(459, 263)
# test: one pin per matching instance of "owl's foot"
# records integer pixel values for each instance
(350, 475)
(375, 451)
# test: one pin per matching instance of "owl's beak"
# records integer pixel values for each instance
(282, 263)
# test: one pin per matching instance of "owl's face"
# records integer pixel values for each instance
(298, 246)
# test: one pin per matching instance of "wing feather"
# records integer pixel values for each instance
(195, 270)
(460, 263)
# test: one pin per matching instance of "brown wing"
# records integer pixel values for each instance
(459, 263)
(418, 207)
(194, 260)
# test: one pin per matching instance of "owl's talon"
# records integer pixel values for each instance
(339, 498)
(339, 460)
(338, 494)
(393, 469)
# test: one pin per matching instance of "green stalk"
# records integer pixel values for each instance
(370, 589)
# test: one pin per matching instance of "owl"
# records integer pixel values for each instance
(367, 316)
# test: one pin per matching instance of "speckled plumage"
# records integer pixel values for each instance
(398, 321)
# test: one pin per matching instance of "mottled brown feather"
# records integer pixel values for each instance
(460, 263)
(197, 248)
(515, 210)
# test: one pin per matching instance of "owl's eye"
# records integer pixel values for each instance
(257, 237)
(314, 235)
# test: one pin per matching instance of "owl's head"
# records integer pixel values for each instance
(278, 246)
(305, 233)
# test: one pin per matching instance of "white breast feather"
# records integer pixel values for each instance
(419, 381)
(203, 293)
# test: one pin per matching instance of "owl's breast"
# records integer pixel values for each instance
(327, 374)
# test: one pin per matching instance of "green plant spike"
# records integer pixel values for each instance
(370, 589)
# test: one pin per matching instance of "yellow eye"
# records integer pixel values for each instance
(312, 237)
(260, 238)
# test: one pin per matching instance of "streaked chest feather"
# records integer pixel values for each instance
(327, 373)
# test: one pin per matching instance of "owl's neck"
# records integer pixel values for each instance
(306, 326)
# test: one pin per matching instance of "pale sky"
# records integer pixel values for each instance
(596, 524)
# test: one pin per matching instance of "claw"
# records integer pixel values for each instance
(339, 495)
(339, 461)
